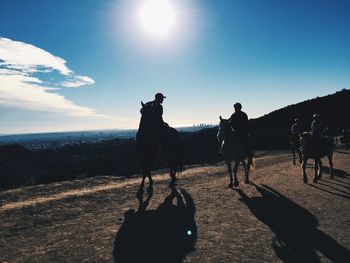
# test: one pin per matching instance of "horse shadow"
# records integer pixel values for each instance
(297, 237)
(346, 196)
(337, 172)
(165, 234)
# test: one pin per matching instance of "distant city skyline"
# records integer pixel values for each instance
(86, 65)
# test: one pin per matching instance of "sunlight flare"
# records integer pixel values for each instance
(157, 18)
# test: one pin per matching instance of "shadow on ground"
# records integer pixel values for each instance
(336, 172)
(297, 236)
(166, 234)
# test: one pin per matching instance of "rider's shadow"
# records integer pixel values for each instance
(166, 234)
(297, 236)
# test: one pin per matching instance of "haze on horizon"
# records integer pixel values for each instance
(86, 65)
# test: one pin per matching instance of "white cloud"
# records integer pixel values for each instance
(20, 88)
(25, 92)
(26, 57)
(78, 81)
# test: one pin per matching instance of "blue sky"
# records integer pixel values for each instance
(76, 65)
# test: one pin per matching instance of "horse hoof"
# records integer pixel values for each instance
(305, 180)
(247, 181)
(230, 185)
(315, 180)
(236, 183)
(294, 163)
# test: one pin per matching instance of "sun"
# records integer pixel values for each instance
(157, 18)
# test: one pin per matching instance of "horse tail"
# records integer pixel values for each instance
(177, 150)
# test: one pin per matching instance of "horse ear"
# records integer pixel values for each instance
(142, 104)
(220, 118)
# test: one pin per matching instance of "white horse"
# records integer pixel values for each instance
(233, 150)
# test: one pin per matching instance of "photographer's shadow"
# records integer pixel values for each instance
(166, 234)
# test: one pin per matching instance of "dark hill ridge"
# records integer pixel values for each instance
(19, 166)
(271, 131)
(334, 110)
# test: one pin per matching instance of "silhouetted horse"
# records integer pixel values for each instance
(153, 140)
(295, 144)
(344, 141)
(233, 150)
(316, 149)
(165, 234)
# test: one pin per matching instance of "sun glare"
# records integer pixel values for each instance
(157, 18)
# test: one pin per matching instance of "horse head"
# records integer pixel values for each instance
(225, 129)
(142, 107)
(147, 114)
(223, 123)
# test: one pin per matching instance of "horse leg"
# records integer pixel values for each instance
(173, 177)
(316, 166)
(150, 186)
(300, 156)
(320, 167)
(304, 169)
(293, 151)
(230, 172)
(140, 191)
(330, 160)
(250, 160)
(236, 183)
(246, 172)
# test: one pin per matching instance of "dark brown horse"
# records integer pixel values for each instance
(316, 148)
(153, 140)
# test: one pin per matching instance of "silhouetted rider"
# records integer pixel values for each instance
(296, 128)
(157, 108)
(240, 123)
(316, 126)
(316, 130)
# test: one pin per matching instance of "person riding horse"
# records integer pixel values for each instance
(240, 123)
(296, 129)
(316, 129)
(295, 132)
(316, 126)
(316, 144)
(156, 138)
(159, 126)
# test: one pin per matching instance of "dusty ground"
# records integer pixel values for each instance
(277, 218)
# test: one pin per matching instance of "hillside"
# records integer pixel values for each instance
(332, 109)
(276, 218)
(271, 131)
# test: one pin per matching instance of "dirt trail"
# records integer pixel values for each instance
(274, 219)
